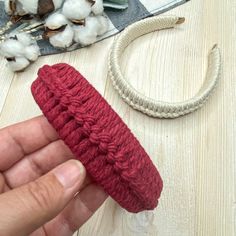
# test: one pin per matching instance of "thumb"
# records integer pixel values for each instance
(25, 209)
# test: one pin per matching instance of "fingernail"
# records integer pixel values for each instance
(70, 173)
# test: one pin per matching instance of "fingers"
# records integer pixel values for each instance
(28, 207)
(79, 210)
(84, 206)
(21, 139)
(37, 164)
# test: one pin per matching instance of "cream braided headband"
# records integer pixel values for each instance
(143, 103)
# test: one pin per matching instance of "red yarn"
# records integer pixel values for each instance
(98, 137)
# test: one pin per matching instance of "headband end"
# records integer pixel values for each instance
(181, 20)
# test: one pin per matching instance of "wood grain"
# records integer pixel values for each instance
(196, 153)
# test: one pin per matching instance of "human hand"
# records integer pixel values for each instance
(42, 191)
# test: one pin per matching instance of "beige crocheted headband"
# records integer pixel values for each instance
(143, 103)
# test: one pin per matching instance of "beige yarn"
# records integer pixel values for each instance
(143, 103)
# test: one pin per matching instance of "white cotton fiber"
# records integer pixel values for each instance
(97, 7)
(92, 23)
(19, 64)
(87, 34)
(30, 6)
(19, 9)
(76, 9)
(57, 3)
(63, 39)
(84, 36)
(24, 38)
(11, 48)
(103, 28)
(19, 51)
(7, 7)
(55, 21)
(32, 52)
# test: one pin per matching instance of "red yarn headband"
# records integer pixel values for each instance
(98, 137)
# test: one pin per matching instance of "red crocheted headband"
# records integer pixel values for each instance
(98, 137)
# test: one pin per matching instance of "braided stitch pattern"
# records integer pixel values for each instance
(142, 103)
(98, 137)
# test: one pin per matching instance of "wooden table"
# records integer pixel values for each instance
(195, 153)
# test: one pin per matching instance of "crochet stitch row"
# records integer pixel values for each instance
(139, 101)
(98, 137)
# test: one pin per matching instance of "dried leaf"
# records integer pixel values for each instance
(11, 59)
(12, 5)
(50, 32)
(78, 22)
(45, 7)
(17, 18)
(14, 37)
(92, 1)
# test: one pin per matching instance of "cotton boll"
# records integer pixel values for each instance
(63, 39)
(19, 51)
(57, 3)
(30, 6)
(84, 38)
(76, 9)
(18, 64)
(103, 21)
(55, 21)
(32, 52)
(97, 7)
(92, 23)
(87, 34)
(12, 48)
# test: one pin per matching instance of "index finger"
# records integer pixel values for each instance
(24, 138)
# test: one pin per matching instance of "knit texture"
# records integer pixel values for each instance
(98, 137)
(138, 100)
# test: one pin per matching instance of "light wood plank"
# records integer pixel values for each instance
(5, 82)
